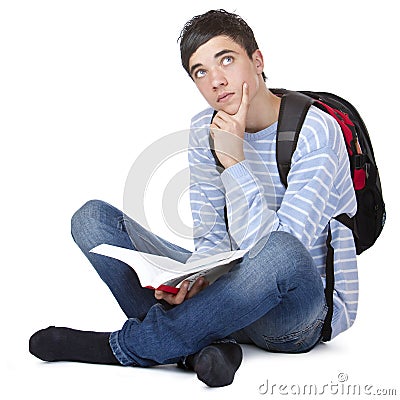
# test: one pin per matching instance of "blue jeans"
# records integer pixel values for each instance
(274, 300)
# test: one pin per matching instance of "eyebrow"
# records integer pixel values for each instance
(216, 55)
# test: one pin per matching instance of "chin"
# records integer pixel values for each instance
(230, 109)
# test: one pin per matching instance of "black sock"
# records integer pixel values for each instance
(65, 344)
(216, 364)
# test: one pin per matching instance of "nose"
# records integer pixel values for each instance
(218, 78)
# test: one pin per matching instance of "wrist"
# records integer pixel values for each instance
(232, 162)
(233, 159)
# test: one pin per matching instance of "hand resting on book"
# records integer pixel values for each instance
(184, 292)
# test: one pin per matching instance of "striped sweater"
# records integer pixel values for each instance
(319, 187)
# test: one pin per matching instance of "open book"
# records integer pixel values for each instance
(163, 273)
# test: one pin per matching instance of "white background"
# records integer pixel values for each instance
(85, 87)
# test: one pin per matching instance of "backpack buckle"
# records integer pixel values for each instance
(359, 161)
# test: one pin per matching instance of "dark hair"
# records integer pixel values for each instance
(201, 28)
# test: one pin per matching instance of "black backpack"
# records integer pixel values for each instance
(368, 222)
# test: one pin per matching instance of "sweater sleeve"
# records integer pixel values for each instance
(207, 197)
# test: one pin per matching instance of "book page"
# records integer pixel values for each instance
(154, 270)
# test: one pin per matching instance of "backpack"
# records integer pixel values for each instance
(367, 224)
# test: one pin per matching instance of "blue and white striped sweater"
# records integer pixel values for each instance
(319, 187)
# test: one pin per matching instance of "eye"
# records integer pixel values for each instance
(200, 73)
(227, 60)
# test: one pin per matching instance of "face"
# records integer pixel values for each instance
(220, 67)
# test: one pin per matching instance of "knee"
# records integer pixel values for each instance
(286, 244)
(279, 243)
(281, 252)
(85, 215)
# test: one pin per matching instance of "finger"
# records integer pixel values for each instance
(197, 287)
(168, 297)
(244, 104)
(215, 130)
(221, 115)
(220, 119)
(181, 295)
(214, 126)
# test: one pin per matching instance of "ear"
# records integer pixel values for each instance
(258, 61)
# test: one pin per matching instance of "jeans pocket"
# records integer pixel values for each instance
(300, 341)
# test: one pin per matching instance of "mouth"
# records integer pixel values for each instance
(224, 97)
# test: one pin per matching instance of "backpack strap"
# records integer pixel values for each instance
(220, 167)
(347, 221)
(292, 113)
(329, 287)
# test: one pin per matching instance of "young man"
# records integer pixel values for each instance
(274, 296)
